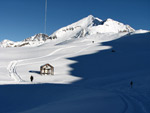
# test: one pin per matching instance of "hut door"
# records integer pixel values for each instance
(46, 71)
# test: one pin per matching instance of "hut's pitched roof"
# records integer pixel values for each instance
(47, 65)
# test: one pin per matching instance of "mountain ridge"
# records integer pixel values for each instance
(87, 26)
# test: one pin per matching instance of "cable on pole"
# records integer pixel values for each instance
(45, 16)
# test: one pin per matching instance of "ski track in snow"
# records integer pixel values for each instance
(53, 54)
(12, 65)
(125, 102)
(12, 71)
(73, 53)
(132, 103)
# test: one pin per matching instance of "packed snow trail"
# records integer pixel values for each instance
(12, 71)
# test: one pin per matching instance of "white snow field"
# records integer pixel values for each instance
(92, 74)
(89, 77)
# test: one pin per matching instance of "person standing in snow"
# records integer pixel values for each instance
(31, 78)
(131, 84)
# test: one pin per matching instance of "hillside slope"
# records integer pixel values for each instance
(90, 83)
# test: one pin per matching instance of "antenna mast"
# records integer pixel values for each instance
(45, 16)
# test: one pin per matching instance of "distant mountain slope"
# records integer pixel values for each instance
(86, 26)
(31, 41)
(92, 25)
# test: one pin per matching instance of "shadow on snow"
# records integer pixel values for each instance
(129, 59)
(33, 71)
(105, 70)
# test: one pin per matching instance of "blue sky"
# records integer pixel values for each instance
(20, 19)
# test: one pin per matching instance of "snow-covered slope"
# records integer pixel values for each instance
(91, 25)
(7, 43)
(86, 26)
(92, 75)
(31, 41)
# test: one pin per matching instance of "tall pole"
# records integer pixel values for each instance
(45, 16)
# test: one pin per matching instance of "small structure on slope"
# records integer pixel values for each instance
(47, 69)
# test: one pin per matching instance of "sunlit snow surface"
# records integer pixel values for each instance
(89, 76)
(18, 64)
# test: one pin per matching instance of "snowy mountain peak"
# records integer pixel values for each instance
(87, 21)
(31, 41)
(91, 25)
(109, 19)
(6, 43)
(90, 16)
(117, 26)
(87, 26)
(38, 37)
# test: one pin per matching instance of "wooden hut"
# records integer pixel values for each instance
(47, 69)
